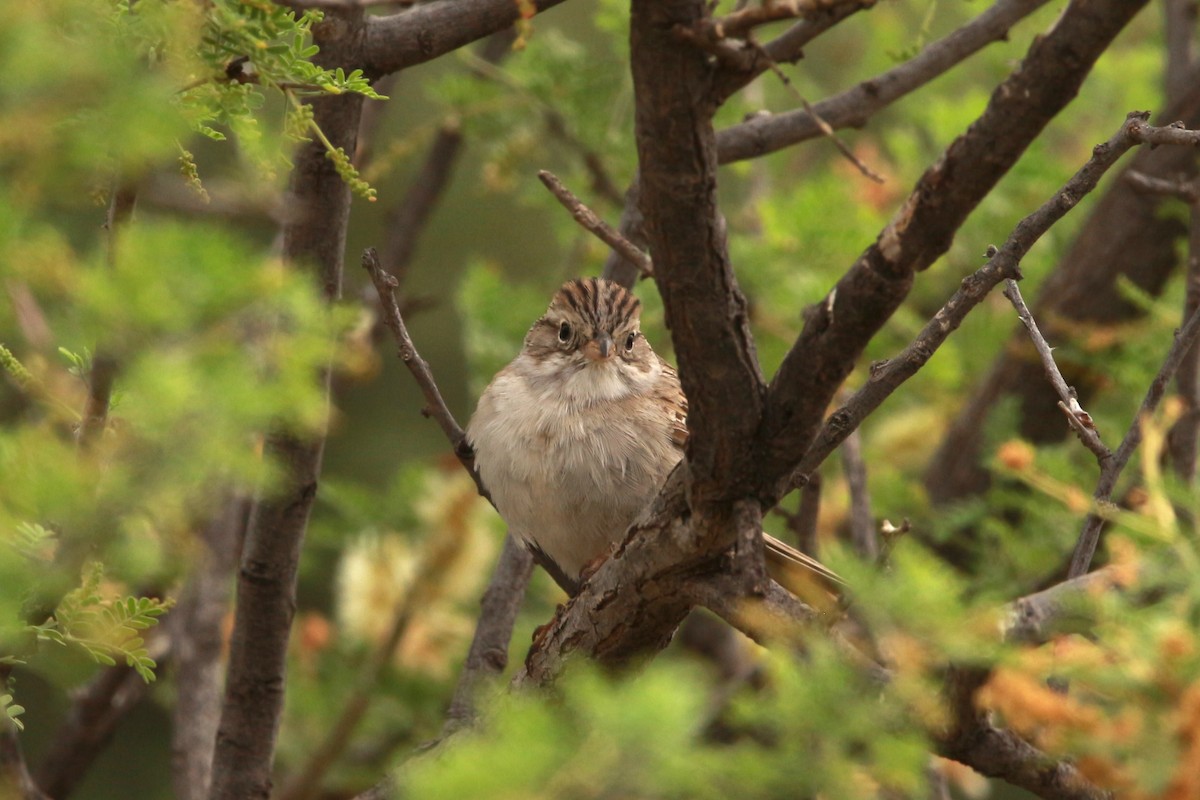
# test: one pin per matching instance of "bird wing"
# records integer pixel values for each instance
(786, 556)
(780, 555)
(672, 396)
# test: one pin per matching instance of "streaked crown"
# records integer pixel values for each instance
(600, 304)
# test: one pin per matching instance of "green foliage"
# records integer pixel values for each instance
(244, 49)
(12, 711)
(649, 736)
(104, 629)
(495, 315)
(216, 342)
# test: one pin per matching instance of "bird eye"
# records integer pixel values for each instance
(629, 341)
(564, 332)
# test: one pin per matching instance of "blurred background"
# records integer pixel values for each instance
(74, 106)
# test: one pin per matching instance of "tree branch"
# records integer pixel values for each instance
(705, 309)
(488, 655)
(97, 708)
(1061, 609)
(588, 220)
(196, 629)
(836, 332)
(853, 107)
(863, 533)
(1079, 419)
(254, 687)
(435, 407)
(1125, 237)
(501, 601)
(744, 61)
(1085, 548)
(999, 753)
(429, 30)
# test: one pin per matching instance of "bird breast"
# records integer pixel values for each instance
(568, 476)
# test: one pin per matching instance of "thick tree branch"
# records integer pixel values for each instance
(254, 687)
(744, 61)
(853, 107)
(615, 613)
(196, 629)
(1000, 753)
(429, 30)
(705, 310)
(640, 594)
(1063, 608)
(836, 332)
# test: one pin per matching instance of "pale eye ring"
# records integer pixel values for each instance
(564, 332)
(630, 340)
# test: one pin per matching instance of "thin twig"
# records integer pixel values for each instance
(804, 522)
(1174, 134)
(506, 588)
(825, 128)
(1079, 420)
(436, 407)
(1187, 191)
(592, 223)
(863, 533)
(856, 105)
(488, 656)
(1085, 548)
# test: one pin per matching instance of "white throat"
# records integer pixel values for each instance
(589, 384)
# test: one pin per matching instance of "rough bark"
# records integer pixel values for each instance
(426, 31)
(316, 238)
(705, 310)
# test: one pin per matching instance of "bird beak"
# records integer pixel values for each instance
(599, 349)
